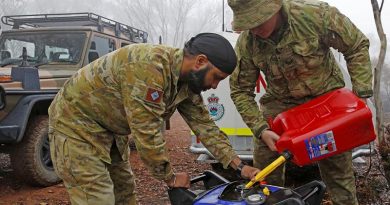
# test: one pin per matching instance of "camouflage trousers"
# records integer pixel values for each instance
(88, 179)
(336, 171)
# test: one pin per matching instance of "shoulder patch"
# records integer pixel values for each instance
(153, 95)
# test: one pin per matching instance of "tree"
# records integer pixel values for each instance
(174, 20)
(68, 6)
(104, 8)
(11, 7)
(386, 85)
(17, 7)
(384, 148)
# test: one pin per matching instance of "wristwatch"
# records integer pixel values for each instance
(240, 167)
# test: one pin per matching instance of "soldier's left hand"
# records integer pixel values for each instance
(179, 180)
(269, 138)
(249, 172)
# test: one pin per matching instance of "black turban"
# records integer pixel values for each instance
(218, 50)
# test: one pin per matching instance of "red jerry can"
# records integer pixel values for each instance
(327, 125)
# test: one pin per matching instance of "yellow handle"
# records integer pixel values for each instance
(266, 171)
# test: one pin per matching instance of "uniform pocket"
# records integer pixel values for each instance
(60, 156)
(309, 54)
(276, 83)
(311, 71)
(248, 72)
(82, 162)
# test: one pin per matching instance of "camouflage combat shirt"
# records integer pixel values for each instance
(299, 65)
(132, 90)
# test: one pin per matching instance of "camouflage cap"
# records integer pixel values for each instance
(248, 14)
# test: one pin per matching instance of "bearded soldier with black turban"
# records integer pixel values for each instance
(132, 90)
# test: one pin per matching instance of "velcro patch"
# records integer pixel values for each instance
(154, 95)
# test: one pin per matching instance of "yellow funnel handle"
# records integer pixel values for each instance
(266, 171)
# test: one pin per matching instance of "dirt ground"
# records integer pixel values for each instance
(372, 189)
(149, 190)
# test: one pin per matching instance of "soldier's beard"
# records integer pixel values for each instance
(195, 80)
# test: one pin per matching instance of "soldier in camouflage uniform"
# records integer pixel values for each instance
(289, 42)
(132, 90)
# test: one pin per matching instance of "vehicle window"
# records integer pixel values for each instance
(57, 53)
(42, 48)
(15, 48)
(100, 46)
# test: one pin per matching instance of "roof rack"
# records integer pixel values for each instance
(74, 19)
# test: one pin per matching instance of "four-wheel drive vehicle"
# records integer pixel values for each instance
(37, 56)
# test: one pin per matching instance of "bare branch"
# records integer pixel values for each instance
(154, 16)
(380, 9)
(378, 71)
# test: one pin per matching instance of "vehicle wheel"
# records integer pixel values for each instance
(31, 159)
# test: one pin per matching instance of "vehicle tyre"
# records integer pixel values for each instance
(31, 159)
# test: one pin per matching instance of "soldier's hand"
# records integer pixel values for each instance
(180, 179)
(269, 138)
(249, 172)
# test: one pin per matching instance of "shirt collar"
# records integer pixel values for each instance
(176, 65)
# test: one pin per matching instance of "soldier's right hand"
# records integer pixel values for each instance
(249, 172)
(179, 180)
(269, 138)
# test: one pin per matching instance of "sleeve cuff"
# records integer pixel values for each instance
(168, 176)
(228, 159)
(259, 130)
(160, 174)
(364, 93)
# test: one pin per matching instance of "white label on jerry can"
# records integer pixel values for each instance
(320, 145)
